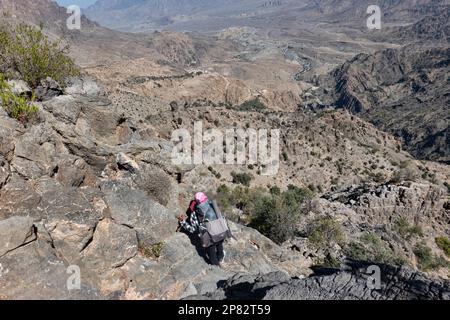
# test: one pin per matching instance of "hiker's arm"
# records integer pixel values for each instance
(190, 226)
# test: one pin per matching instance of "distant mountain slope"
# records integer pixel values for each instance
(407, 94)
(404, 91)
(94, 44)
(140, 15)
(392, 10)
(432, 28)
(132, 15)
(33, 11)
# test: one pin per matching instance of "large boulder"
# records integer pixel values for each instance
(18, 198)
(47, 199)
(83, 86)
(152, 222)
(78, 205)
(48, 89)
(15, 232)
(253, 252)
(396, 284)
(416, 202)
(179, 268)
(69, 238)
(111, 247)
(64, 108)
(6, 135)
(35, 272)
(72, 171)
(20, 87)
(35, 152)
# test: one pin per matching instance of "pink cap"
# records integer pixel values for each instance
(201, 198)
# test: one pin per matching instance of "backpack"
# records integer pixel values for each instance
(215, 224)
(206, 211)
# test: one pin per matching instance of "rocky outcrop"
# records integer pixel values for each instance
(111, 247)
(134, 208)
(111, 266)
(419, 203)
(15, 232)
(48, 89)
(87, 188)
(355, 283)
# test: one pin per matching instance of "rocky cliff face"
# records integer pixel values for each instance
(85, 186)
(352, 284)
(70, 195)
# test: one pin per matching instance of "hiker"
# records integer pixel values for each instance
(205, 219)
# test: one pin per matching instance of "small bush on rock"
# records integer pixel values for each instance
(17, 107)
(324, 231)
(274, 213)
(370, 247)
(242, 178)
(27, 52)
(405, 230)
(426, 260)
(444, 244)
(153, 251)
(252, 105)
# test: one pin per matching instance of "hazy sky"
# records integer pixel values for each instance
(81, 3)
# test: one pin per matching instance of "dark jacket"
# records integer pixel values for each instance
(192, 224)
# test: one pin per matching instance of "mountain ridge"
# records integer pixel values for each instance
(90, 180)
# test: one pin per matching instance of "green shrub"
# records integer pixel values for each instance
(240, 197)
(405, 173)
(294, 195)
(26, 51)
(427, 260)
(275, 191)
(405, 230)
(444, 244)
(329, 262)
(370, 247)
(275, 217)
(424, 256)
(324, 231)
(272, 212)
(377, 177)
(252, 105)
(17, 107)
(242, 178)
(153, 251)
(340, 165)
(404, 164)
(215, 173)
(223, 198)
